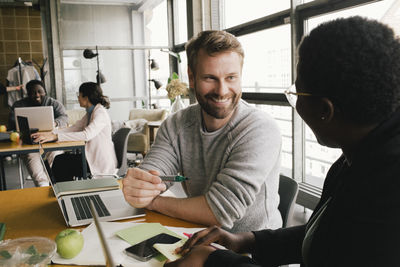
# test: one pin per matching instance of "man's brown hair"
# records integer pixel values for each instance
(212, 42)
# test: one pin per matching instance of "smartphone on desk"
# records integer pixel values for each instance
(144, 250)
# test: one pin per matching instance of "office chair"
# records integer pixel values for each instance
(288, 189)
(120, 140)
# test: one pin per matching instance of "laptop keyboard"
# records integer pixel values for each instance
(82, 208)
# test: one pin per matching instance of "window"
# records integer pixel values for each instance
(156, 30)
(267, 61)
(159, 96)
(96, 28)
(267, 69)
(380, 10)
(122, 41)
(264, 29)
(181, 22)
(238, 11)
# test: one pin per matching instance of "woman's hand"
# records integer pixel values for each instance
(44, 137)
(195, 258)
(240, 243)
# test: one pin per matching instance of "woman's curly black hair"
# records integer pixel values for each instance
(356, 62)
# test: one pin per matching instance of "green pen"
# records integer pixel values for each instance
(173, 178)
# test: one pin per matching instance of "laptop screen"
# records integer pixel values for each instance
(25, 130)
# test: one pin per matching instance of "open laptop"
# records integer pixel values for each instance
(25, 130)
(110, 205)
(41, 117)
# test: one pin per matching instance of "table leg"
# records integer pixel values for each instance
(21, 178)
(3, 185)
(151, 135)
(84, 167)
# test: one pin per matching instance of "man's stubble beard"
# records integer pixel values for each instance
(218, 113)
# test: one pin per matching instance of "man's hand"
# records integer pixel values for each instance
(195, 258)
(240, 243)
(44, 137)
(141, 187)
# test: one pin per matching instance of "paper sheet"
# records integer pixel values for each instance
(92, 253)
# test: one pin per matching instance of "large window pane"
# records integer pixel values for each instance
(319, 158)
(267, 62)
(119, 81)
(159, 96)
(238, 11)
(267, 69)
(126, 71)
(382, 10)
(283, 117)
(156, 25)
(183, 67)
(181, 22)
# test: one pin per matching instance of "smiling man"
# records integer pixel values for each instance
(37, 97)
(229, 150)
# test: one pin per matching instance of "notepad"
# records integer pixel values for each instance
(168, 250)
(85, 186)
(136, 234)
(141, 232)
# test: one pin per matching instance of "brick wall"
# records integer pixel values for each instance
(20, 36)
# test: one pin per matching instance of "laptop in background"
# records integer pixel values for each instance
(110, 205)
(25, 130)
(41, 117)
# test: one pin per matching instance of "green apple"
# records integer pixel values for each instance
(69, 243)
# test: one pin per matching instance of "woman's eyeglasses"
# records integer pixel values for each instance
(292, 95)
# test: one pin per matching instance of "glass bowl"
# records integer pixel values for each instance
(27, 251)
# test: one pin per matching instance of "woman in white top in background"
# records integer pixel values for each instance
(94, 128)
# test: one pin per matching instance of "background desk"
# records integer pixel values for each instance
(9, 148)
(35, 212)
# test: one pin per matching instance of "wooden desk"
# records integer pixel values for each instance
(35, 212)
(9, 148)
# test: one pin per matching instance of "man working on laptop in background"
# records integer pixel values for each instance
(229, 150)
(37, 97)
